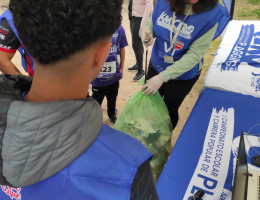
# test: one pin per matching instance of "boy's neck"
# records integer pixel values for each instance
(57, 86)
(46, 90)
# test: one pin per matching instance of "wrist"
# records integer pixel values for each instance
(161, 77)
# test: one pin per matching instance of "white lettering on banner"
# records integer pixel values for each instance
(109, 68)
(225, 195)
(236, 56)
(212, 168)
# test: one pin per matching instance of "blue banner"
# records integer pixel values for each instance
(205, 152)
(246, 49)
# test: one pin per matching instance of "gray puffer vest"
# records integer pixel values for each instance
(38, 140)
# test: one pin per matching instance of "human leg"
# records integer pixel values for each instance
(174, 92)
(137, 43)
(98, 93)
(111, 94)
(135, 66)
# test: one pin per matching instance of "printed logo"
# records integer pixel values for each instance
(2, 36)
(246, 49)
(5, 47)
(4, 30)
(113, 49)
(165, 21)
(115, 35)
(177, 46)
(255, 82)
(13, 193)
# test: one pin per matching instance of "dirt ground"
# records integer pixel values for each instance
(128, 87)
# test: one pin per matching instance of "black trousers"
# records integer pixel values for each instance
(137, 44)
(173, 93)
(111, 92)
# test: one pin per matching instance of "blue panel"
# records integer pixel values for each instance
(179, 169)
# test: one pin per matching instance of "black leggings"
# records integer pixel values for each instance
(137, 44)
(173, 93)
(111, 92)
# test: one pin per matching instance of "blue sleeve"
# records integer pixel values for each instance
(123, 40)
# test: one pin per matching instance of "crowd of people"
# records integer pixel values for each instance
(52, 131)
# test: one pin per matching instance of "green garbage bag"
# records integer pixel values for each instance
(146, 118)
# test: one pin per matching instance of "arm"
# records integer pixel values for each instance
(143, 186)
(146, 33)
(6, 65)
(123, 44)
(193, 56)
(122, 59)
(148, 25)
(147, 12)
(150, 21)
(8, 46)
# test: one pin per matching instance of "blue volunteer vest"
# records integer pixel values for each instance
(27, 61)
(194, 27)
(104, 172)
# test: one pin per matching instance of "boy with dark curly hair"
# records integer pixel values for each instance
(53, 142)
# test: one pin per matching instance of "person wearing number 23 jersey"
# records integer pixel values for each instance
(107, 82)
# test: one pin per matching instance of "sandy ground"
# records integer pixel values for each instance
(128, 87)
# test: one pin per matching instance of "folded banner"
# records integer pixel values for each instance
(236, 67)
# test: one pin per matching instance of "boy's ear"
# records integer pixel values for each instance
(101, 54)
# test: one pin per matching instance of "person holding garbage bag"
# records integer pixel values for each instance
(183, 30)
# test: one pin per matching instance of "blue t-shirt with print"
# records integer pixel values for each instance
(110, 72)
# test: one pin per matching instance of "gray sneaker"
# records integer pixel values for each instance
(135, 67)
(138, 76)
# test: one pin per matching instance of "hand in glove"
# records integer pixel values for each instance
(153, 85)
(147, 37)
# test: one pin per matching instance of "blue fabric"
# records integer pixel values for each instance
(9, 17)
(23, 95)
(119, 41)
(194, 27)
(228, 4)
(179, 169)
(105, 171)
